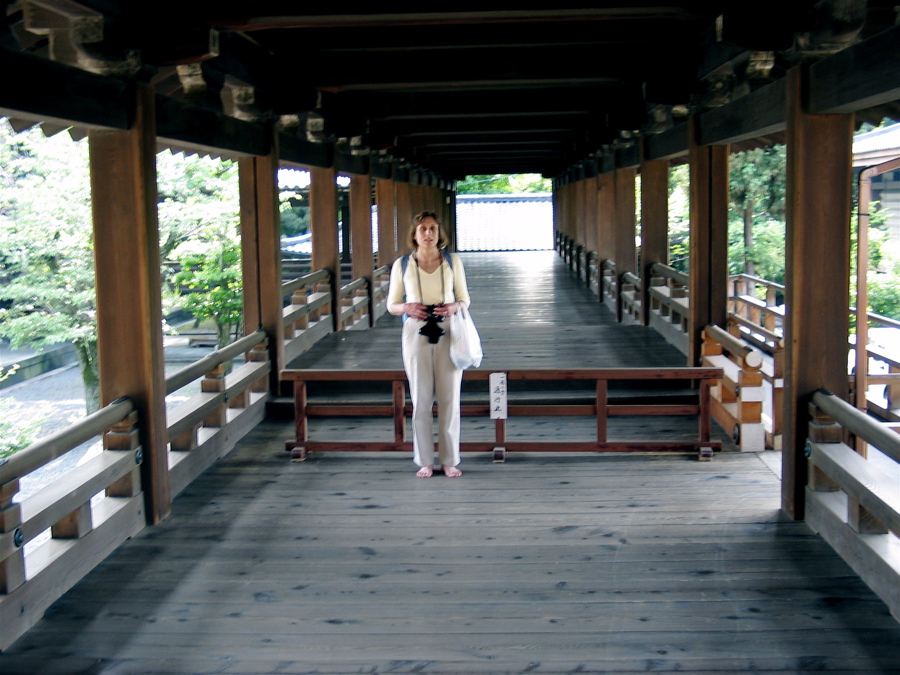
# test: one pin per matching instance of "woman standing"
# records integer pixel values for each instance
(430, 282)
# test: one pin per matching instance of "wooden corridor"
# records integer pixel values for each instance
(548, 563)
(555, 564)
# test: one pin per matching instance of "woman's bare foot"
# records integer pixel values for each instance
(425, 472)
(451, 471)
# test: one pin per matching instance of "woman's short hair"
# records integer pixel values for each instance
(411, 237)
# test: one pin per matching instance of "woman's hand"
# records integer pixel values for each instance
(447, 310)
(415, 310)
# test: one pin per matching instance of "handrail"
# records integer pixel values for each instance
(879, 319)
(306, 280)
(632, 278)
(660, 270)
(354, 286)
(200, 368)
(756, 328)
(608, 264)
(884, 438)
(751, 357)
(758, 280)
(47, 449)
(601, 408)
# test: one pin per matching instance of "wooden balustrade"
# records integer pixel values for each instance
(631, 297)
(669, 305)
(206, 426)
(738, 397)
(381, 281)
(601, 408)
(852, 501)
(744, 301)
(83, 528)
(307, 318)
(355, 304)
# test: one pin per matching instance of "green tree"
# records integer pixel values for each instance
(46, 264)
(14, 436)
(487, 184)
(210, 284)
(756, 214)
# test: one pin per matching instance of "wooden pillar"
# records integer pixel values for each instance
(626, 221)
(129, 304)
(590, 213)
(606, 216)
(387, 220)
(708, 273)
(323, 215)
(654, 225)
(404, 217)
(362, 259)
(261, 255)
(817, 271)
(578, 212)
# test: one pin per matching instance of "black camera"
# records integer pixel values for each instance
(431, 330)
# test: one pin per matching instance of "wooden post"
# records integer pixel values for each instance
(709, 189)
(362, 259)
(129, 309)
(578, 212)
(261, 255)
(323, 214)
(625, 225)
(590, 213)
(817, 271)
(606, 216)
(654, 225)
(387, 220)
(404, 217)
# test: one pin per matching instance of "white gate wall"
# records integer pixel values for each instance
(508, 222)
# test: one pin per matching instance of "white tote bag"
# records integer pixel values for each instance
(465, 345)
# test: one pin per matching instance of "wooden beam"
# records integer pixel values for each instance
(654, 224)
(709, 192)
(760, 113)
(817, 271)
(261, 255)
(323, 213)
(302, 153)
(861, 76)
(184, 126)
(667, 145)
(129, 303)
(47, 91)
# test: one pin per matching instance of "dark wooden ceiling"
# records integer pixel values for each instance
(462, 88)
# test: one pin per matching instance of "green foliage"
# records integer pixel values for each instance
(211, 287)
(13, 436)
(679, 218)
(884, 294)
(487, 184)
(198, 198)
(46, 252)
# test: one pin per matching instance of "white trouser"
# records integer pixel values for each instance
(431, 372)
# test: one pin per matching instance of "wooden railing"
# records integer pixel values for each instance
(852, 501)
(745, 302)
(89, 511)
(883, 371)
(632, 289)
(669, 304)
(381, 281)
(307, 318)
(207, 425)
(355, 304)
(601, 408)
(738, 397)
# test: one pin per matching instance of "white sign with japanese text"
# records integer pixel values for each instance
(498, 396)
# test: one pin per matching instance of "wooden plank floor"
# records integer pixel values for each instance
(530, 312)
(545, 564)
(553, 563)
